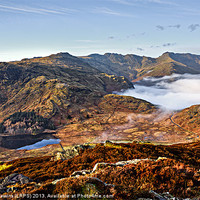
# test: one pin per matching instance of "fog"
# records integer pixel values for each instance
(173, 92)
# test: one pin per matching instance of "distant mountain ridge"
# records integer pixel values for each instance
(135, 67)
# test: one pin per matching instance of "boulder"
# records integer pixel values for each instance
(71, 152)
(12, 179)
(161, 158)
(80, 173)
(157, 196)
(15, 178)
(95, 186)
(101, 166)
(57, 180)
(134, 161)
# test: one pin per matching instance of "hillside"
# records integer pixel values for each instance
(121, 171)
(135, 67)
(57, 86)
(25, 123)
(189, 118)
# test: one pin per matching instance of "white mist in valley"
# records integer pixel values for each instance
(173, 92)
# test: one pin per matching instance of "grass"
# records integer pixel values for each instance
(4, 166)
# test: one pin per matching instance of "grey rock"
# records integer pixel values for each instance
(80, 173)
(12, 179)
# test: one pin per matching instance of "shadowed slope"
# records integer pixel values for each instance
(53, 85)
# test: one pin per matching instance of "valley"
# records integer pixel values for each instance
(82, 101)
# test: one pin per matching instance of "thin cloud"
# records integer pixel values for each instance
(168, 44)
(140, 49)
(126, 2)
(108, 11)
(111, 37)
(135, 35)
(163, 45)
(193, 27)
(34, 10)
(152, 46)
(188, 11)
(162, 2)
(161, 28)
(175, 26)
(130, 36)
(86, 41)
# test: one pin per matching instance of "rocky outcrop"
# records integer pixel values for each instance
(80, 173)
(127, 168)
(163, 196)
(102, 166)
(12, 179)
(71, 152)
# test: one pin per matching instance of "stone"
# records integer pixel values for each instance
(134, 161)
(80, 173)
(161, 158)
(15, 178)
(100, 166)
(71, 152)
(12, 179)
(57, 180)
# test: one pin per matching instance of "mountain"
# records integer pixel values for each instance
(75, 95)
(56, 86)
(135, 67)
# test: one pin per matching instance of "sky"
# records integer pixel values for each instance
(169, 95)
(31, 28)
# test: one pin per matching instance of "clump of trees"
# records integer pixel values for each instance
(2, 128)
(29, 119)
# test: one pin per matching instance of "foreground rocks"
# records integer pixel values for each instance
(13, 179)
(116, 171)
(71, 152)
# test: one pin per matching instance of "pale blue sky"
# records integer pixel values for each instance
(144, 27)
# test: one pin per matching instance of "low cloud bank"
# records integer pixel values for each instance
(173, 92)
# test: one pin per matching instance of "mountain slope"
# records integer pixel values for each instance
(135, 67)
(189, 119)
(56, 85)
